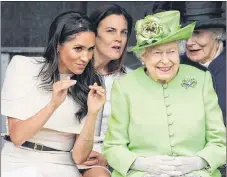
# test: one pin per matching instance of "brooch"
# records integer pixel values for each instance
(189, 83)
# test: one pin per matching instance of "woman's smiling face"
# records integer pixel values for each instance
(162, 61)
(201, 47)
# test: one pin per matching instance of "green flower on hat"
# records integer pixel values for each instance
(150, 30)
(161, 28)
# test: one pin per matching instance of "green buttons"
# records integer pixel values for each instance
(170, 122)
(171, 134)
(166, 95)
(165, 86)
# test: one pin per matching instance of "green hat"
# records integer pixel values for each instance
(160, 28)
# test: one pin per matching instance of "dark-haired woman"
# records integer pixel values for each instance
(52, 102)
(113, 26)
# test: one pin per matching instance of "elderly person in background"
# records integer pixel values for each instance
(206, 48)
(174, 125)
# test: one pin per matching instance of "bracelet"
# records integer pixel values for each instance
(84, 138)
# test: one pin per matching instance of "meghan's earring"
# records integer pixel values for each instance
(58, 49)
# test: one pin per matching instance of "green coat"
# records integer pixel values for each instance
(149, 118)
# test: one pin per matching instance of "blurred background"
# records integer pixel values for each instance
(24, 27)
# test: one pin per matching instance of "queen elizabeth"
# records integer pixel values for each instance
(170, 123)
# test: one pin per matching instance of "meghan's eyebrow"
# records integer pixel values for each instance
(79, 45)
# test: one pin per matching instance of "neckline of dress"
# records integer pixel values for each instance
(64, 74)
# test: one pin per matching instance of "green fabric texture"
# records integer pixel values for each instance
(161, 28)
(171, 119)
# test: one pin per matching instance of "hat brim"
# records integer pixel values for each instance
(181, 34)
(213, 23)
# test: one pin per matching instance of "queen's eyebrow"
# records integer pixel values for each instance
(171, 48)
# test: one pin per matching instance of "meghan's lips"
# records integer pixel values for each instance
(81, 66)
(164, 69)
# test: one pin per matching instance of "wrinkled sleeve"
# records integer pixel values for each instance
(215, 150)
(116, 141)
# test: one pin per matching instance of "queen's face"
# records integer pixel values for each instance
(202, 46)
(162, 61)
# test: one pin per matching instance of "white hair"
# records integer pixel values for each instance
(139, 53)
(181, 46)
(219, 33)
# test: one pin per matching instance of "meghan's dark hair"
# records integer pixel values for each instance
(63, 29)
(104, 11)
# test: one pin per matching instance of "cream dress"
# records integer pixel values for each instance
(22, 98)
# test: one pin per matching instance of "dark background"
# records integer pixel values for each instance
(26, 24)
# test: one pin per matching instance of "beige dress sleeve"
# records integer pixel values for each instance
(22, 97)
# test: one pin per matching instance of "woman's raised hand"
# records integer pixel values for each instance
(60, 90)
(96, 98)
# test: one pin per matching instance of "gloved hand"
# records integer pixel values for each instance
(154, 175)
(156, 165)
(192, 175)
(164, 175)
(189, 164)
